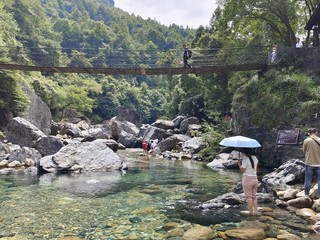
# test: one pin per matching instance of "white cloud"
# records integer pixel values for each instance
(192, 13)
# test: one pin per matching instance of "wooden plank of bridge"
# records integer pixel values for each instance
(137, 71)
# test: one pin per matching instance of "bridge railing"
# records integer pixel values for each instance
(122, 58)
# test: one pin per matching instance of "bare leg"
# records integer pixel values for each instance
(250, 207)
(254, 207)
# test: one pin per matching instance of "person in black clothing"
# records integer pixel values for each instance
(186, 55)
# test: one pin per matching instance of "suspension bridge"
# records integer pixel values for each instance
(131, 62)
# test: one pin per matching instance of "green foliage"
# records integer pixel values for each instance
(12, 99)
(278, 99)
(8, 33)
(271, 21)
(77, 98)
(211, 137)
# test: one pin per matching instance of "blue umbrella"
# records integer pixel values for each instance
(240, 142)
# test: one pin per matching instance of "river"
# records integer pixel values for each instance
(134, 204)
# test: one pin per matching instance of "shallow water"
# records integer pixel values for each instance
(135, 204)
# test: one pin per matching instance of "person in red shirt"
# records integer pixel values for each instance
(145, 146)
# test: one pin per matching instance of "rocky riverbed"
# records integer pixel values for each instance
(80, 148)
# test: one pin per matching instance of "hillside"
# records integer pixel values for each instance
(66, 27)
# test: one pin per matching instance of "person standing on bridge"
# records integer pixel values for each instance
(274, 53)
(299, 43)
(187, 54)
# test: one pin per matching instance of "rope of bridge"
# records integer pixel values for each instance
(130, 59)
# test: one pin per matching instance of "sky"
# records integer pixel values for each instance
(192, 13)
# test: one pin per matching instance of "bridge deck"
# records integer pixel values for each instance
(138, 71)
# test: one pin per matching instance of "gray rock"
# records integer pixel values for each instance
(301, 202)
(122, 132)
(177, 121)
(24, 133)
(288, 173)
(38, 113)
(163, 124)
(186, 122)
(316, 206)
(193, 145)
(23, 154)
(128, 115)
(222, 201)
(222, 161)
(151, 132)
(168, 144)
(49, 145)
(82, 156)
(71, 130)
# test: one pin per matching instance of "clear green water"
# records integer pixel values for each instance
(131, 205)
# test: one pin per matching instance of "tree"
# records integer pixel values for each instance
(12, 99)
(273, 20)
(8, 35)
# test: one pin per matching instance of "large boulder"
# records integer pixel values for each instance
(152, 132)
(163, 124)
(71, 130)
(73, 116)
(24, 133)
(49, 145)
(193, 145)
(288, 173)
(128, 115)
(222, 162)
(123, 132)
(186, 122)
(168, 144)
(82, 157)
(177, 121)
(37, 113)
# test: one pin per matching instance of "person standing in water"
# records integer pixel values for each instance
(248, 165)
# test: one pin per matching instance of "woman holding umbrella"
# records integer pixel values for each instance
(248, 165)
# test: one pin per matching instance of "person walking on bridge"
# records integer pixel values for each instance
(186, 55)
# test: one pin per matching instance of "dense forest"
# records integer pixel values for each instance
(286, 95)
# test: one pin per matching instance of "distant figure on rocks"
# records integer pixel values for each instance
(154, 143)
(145, 146)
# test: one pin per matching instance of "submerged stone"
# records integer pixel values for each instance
(134, 220)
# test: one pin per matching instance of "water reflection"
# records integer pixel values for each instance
(95, 184)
